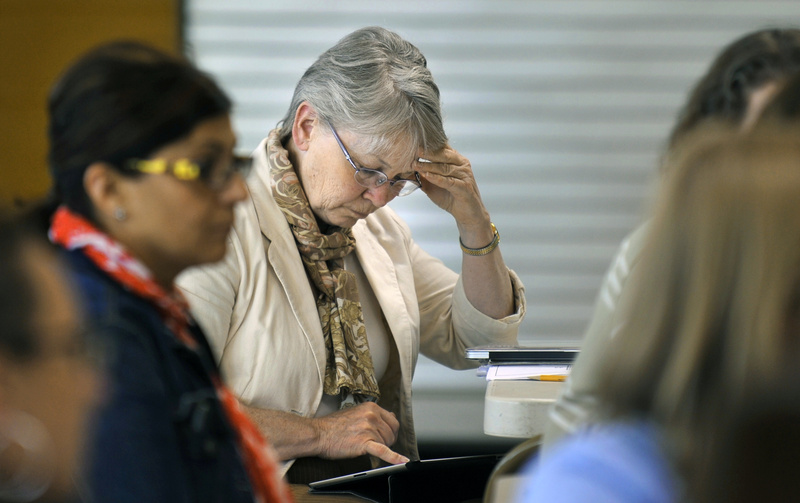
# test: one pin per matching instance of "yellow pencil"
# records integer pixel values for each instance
(555, 378)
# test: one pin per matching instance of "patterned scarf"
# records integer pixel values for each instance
(72, 232)
(349, 372)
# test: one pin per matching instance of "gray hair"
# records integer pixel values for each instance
(376, 85)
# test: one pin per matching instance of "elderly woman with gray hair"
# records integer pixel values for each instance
(324, 301)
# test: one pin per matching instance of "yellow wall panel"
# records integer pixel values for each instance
(38, 39)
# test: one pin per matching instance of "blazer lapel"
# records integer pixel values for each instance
(282, 254)
(386, 284)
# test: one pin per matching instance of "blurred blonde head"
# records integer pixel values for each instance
(718, 289)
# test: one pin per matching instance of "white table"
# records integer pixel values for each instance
(518, 409)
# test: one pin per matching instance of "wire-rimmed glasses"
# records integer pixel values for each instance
(372, 178)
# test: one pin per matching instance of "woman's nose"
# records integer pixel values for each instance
(380, 196)
(235, 191)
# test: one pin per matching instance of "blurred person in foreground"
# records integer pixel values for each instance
(751, 452)
(142, 158)
(737, 86)
(324, 301)
(715, 307)
(753, 456)
(49, 383)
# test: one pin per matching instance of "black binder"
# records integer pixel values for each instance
(521, 354)
(444, 480)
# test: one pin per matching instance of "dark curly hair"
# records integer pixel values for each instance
(743, 66)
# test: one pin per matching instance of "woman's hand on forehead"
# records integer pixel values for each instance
(449, 182)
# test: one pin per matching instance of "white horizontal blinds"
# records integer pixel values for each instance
(562, 107)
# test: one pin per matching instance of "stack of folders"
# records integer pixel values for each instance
(523, 362)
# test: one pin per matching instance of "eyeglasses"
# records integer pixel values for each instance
(185, 169)
(372, 178)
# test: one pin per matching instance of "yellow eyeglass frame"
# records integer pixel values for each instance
(182, 169)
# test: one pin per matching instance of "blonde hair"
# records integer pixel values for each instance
(718, 289)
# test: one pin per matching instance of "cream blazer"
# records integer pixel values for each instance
(258, 311)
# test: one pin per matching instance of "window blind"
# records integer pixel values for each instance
(562, 107)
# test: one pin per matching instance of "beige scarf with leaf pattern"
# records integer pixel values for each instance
(349, 371)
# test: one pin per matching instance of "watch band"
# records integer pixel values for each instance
(477, 252)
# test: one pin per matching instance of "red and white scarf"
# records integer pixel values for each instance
(71, 231)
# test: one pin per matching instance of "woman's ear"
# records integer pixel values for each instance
(102, 185)
(305, 120)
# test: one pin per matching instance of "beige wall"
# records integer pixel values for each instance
(38, 39)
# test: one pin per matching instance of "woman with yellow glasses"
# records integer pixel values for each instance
(142, 158)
